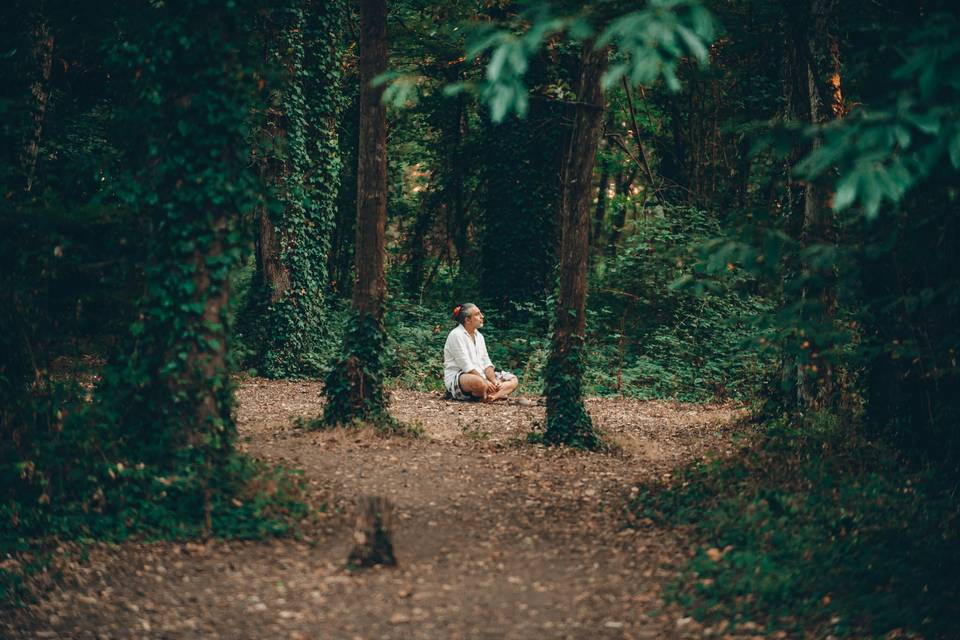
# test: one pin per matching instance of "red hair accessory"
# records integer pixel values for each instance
(456, 311)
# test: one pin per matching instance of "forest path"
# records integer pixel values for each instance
(495, 538)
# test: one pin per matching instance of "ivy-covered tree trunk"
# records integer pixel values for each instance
(40, 91)
(354, 387)
(567, 419)
(290, 287)
(168, 391)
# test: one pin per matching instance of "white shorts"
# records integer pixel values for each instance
(453, 385)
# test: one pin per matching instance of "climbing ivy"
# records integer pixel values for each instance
(568, 422)
(354, 384)
(286, 314)
(167, 397)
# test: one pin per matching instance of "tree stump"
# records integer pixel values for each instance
(371, 534)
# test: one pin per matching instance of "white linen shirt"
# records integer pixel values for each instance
(462, 354)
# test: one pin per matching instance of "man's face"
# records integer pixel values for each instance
(475, 321)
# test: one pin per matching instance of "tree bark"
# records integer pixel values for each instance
(273, 272)
(621, 189)
(372, 534)
(811, 93)
(567, 420)
(40, 90)
(354, 386)
(817, 388)
(600, 213)
(370, 285)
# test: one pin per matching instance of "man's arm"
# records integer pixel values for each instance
(491, 376)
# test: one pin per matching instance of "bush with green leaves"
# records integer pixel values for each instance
(811, 529)
(657, 332)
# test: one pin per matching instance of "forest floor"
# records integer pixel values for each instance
(494, 537)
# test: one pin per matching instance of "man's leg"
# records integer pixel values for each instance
(474, 385)
(506, 388)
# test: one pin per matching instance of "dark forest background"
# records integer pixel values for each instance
(728, 200)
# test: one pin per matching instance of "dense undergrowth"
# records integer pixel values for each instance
(63, 483)
(69, 472)
(812, 527)
(649, 336)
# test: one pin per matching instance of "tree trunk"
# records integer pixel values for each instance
(206, 364)
(288, 305)
(167, 394)
(817, 386)
(354, 386)
(275, 276)
(811, 77)
(600, 213)
(621, 190)
(372, 534)
(370, 285)
(567, 420)
(417, 251)
(40, 90)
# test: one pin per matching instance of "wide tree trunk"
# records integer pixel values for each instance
(288, 303)
(354, 387)
(40, 90)
(168, 394)
(567, 420)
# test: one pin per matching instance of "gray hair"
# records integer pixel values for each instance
(463, 311)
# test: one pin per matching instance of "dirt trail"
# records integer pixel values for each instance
(496, 538)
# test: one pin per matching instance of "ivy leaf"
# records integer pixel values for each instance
(846, 192)
(954, 149)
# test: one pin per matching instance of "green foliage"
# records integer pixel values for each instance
(67, 475)
(884, 150)
(139, 193)
(659, 332)
(814, 528)
(567, 420)
(652, 42)
(190, 176)
(286, 315)
(354, 386)
(653, 331)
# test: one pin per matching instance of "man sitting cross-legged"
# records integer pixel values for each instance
(467, 370)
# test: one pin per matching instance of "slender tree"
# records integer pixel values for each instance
(812, 94)
(567, 419)
(42, 49)
(354, 386)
